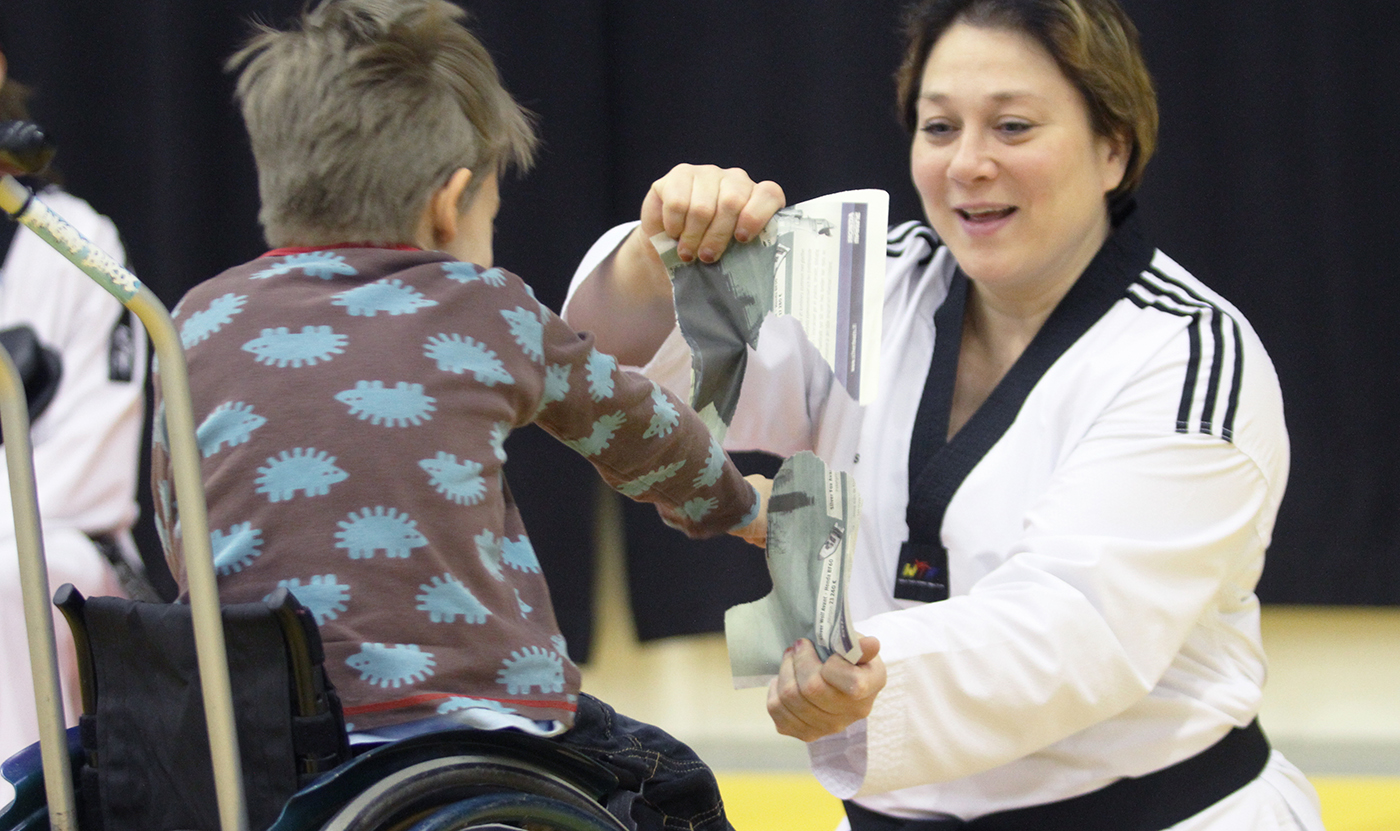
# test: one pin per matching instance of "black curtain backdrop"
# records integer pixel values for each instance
(1274, 182)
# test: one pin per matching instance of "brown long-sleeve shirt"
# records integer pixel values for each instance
(353, 405)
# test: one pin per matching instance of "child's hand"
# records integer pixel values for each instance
(756, 532)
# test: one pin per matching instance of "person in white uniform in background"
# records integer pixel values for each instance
(86, 441)
(1070, 474)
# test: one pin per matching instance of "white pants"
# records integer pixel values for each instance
(72, 558)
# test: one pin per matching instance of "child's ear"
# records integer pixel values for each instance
(445, 207)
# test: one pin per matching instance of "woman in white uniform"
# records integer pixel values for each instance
(86, 441)
(1070, 474)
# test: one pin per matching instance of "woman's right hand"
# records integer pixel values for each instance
(703, 207)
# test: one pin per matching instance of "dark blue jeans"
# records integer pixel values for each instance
(663, 785)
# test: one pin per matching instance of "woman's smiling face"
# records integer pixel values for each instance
(1010, 172)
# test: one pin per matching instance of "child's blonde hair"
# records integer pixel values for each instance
(359, 113)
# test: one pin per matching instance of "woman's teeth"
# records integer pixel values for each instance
(985, 214)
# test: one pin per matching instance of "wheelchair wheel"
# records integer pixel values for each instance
(513, 811)
(420, 792)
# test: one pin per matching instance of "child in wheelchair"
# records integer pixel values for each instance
(355, 385)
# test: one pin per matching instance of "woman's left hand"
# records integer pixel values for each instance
(810, 699)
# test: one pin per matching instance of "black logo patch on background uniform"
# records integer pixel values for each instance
(121, 349)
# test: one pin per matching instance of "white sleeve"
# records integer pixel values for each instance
(786, 381)
(1139, 534)
(87, 442)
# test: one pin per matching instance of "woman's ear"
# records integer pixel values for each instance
(1116, 151)
(445, 212)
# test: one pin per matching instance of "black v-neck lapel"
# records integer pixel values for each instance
(937, 467)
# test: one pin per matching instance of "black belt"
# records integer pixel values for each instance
(1153, 802)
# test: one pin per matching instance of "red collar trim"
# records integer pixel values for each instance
(307, 249)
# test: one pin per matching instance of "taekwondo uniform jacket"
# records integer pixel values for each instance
(1103, 540)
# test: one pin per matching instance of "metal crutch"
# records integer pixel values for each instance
(23, 149)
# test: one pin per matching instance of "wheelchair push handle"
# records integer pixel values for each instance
(25, 149)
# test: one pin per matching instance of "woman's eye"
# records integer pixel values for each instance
(1014, 128)
(938, 130)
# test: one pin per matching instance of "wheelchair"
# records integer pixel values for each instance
(197, 715)
(140, 766)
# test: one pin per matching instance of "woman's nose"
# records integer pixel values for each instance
(972, 159)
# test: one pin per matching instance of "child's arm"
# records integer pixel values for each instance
(645, 442)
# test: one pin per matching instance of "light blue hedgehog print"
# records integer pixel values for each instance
(525, 608)
(445, 598)
(603, 431)
(282, 348)
(387, 295)
(321, 264)
(556, 384)
(206, 322)
(664, 416)
(400, 406)
(699, 507)
(461, 702)
(528, 331)
(237, 549)
(491, 552)
(391, 665)
(520, 555)
(600, 374)
(303, 469)
(322, 595)
(379, 529)
(532, 667)
(460, 482)
(231, 423)
(647, 481)
(470, 273)
(714, 465)
(462, 272)
(458, 354)
(500, 431)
